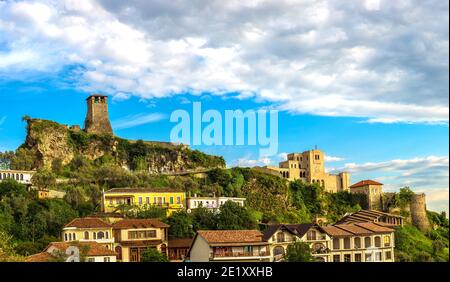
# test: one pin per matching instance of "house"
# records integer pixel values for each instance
(361, 242)
(280, 236)
(170, 199)
(229, 246)
(133, 236)
(73, 252)
(21, 176)
(373, 216)
(89, 229)
(211, 202)
(179, 248)
(373, 191)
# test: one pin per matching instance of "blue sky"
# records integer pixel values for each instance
(365, 81)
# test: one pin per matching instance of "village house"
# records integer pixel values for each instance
(211, 202)
(170, 199)
(89, 230)
(229, 246)
(179, 248)
(21, 176)
(133, 236)
(74, 251)
(280, 236)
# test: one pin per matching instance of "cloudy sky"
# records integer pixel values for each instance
(366, 81)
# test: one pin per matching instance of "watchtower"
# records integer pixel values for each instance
(97, 119)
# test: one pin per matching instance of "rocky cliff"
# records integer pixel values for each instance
(48, 143)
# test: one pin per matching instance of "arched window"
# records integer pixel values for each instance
(336, 244)
(367, 242)
(357, 243)
(347, 243)
(74, 236)
(65, 236)
(377, 241)
(21, 176)
(86, 235)
(94, 235)
(70, 236)
(278, 251)
(100, 235)
(118, 250)
(17, 176)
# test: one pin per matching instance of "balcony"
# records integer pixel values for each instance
(255, 254)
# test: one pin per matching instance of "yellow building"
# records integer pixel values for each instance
(89, 230)
(309, 167)
(170, 199)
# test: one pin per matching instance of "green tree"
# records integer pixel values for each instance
(204, 219)
(298, 252)
(153, 255)
(232, 216)
(181, 225)
(44, 179)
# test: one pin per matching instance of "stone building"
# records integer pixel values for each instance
(97, 119)
(309, 167)
(373, 191)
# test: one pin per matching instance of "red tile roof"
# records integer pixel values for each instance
(364, 183)
(40, 257)
(180, 242)
(231, 236)
(88, 222)
(139, 223)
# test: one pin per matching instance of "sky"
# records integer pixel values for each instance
(364, 81)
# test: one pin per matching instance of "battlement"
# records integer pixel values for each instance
(97, 118)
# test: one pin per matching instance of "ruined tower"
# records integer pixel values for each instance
(97, 119)
(418, 211)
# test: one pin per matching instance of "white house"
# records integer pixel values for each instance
(211, 202)
(21, 176)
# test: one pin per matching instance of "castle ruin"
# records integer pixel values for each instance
(97, 119)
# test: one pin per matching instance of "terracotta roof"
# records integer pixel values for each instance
(141, 190)
(139, 223)
(356, 230)
(364, 183)
(91, 248)
(335, 232)
(88, 222)
(39, 257)
(375, 228)
(180, 242)
(231, 236)
(366, 216)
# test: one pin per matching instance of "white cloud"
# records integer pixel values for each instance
(245, 162)
(333, 159)
(382, 61)
(137, 120)
(422, 174)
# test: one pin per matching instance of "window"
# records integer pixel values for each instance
(368, 257)
(171, 200)
(347, 243)
(347, 258)
(86, 235)
(336, 258)
(311, 235)
(367, 242)
(387, 241)
(142, 234)
(147, 200)
(140, 200)
(388, 255)
(377, 241)
(154, 200)
(159, 200)
(106, 259)
(100, 235)
(357, 243)
(91, 259)
(280, 237)
(74, 236)
(178, 200)
(336, 244)
(358, 257)
(65, 236)
(94, 235)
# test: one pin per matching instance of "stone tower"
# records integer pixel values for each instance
(418, 211)
(97, 119)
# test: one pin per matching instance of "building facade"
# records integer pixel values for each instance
(21, 176)
(179, 248)
(229, 246)
(309, 167)
(89, 230)
(169, 199)
(211, 202)
(133, 236)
